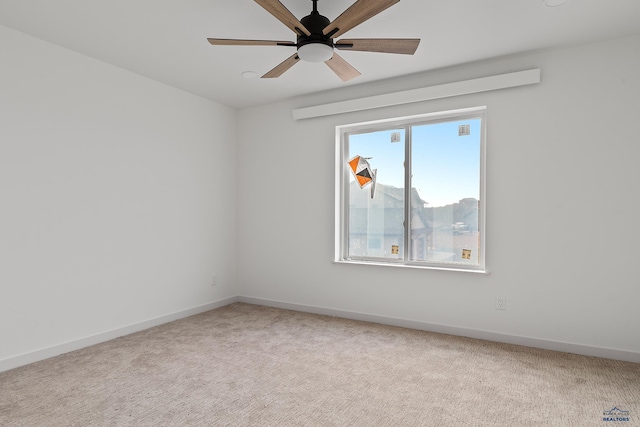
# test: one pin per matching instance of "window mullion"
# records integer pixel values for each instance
(344, 178)
(407, 192)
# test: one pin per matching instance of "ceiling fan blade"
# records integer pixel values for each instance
(402, 46)
(238, 42)
(356, 14)
(282, 14)
(282, 67)
(342, 68)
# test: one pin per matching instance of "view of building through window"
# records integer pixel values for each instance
(443, 159)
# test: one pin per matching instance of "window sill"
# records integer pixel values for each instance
(415, 266)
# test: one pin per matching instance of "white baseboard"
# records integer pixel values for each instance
(607, 353)
(45, 353)
(35, 356)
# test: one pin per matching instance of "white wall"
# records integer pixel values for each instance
(118, 203)
(117, 197)
(562, 205)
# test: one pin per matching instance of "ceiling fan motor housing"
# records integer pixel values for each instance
(316, 47)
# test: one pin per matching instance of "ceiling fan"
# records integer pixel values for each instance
(316, 33)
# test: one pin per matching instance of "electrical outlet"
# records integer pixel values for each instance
(501, 303)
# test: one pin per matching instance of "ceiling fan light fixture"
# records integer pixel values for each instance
(315, 52)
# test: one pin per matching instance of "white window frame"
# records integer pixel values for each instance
(342, 180)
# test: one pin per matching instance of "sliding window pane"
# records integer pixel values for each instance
(445, 188)
(376, 211)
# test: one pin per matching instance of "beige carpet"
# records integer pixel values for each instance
(246, 365)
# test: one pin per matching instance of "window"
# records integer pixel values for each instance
(410, 191)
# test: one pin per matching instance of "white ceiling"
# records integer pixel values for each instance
(165, 40)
